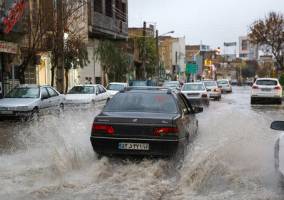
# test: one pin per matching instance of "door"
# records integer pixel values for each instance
(188, 119)
(45, 99)
(55, 99)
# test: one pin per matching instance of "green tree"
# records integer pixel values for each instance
(281, 79)
(269, 33)
(114, 60)
(75, 56)
(148, 50)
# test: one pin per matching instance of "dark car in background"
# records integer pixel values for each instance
(149, 121)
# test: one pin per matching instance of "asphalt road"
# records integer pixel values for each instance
(231, 158)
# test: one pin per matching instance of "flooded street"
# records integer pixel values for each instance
(231, 158)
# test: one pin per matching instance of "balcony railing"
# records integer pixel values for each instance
(108, 26)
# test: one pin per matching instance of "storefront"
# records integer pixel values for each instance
(8, 55)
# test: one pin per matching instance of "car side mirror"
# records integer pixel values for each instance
(197, 110)
(277, 125)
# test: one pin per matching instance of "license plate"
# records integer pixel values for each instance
(266, 89)
(134, 146)
(6, 112)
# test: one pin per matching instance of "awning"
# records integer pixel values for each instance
(8, 47)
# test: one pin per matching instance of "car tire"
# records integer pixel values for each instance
(34, 115)
(252, 101)
(61, 109)
(279, 101)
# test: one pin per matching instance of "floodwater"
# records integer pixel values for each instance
(231, 158)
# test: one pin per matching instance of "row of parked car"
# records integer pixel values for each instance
(26, 101)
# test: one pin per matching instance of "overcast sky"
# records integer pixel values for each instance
(211, 21)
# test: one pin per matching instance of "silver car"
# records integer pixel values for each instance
(225, 85)
(212, 89)
(196, 93)
(25, 101)
(85, 96)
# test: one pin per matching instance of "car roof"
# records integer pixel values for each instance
(272, 79)
(28, 86)
(120, 83)
(222, 80)
(194, 83)
(147, 89)
(87, 85)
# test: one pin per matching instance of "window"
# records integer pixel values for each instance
(182, 104)
(23, 93)
(142, 102)
(52, 92)
(44, 93)
(108, 7)
(244, 45)
(102, 90)
(266, 82)
(98, 6)
(82, 90)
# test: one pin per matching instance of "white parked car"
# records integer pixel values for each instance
(279, 149)
(25, 101)
(115, 87)
(266, 89)
(86, 95)
(196, 93)
(225, 86)
(213, 89)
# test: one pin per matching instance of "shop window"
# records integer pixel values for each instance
(108, 7)
(123, 9)
(98, 6)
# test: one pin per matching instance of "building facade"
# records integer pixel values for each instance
(106, 19)
(173, 56)
(11, 38)
(247, 51)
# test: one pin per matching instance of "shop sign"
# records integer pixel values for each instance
(14, 15)
(8, 47)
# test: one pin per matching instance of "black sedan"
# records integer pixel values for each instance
(144, 121)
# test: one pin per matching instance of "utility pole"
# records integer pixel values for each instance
(157, 68)
(144, 51)
(60, 47)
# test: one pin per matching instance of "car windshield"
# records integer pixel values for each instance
(115, 87)
(139, 83)
(171, 84)
(82, 90)
(142, 102)
(193, 87)
(210, 83)
(23, 93)
(266, 82)
(223, 82)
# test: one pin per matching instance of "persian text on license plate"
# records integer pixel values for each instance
(134, 146)
(266, 90)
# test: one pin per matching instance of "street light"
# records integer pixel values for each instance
(157, 68)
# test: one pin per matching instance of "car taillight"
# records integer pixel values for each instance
(103, 128)
(165, 130)
(254, 87)
(277, 88)
(204, 95)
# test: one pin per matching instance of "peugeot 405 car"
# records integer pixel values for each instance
(149, 122)
(25, 101)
